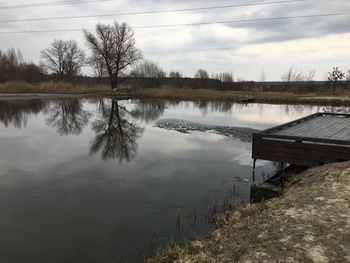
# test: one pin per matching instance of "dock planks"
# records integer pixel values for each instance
(316, 139)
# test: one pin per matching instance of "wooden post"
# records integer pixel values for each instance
(281, 167)
(254, 165)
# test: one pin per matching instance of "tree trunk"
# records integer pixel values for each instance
(114, 84)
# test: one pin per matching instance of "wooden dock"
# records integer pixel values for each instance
(311, 141)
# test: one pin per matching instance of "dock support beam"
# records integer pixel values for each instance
(254, 166)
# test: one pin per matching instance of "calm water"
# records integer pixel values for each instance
(91, 180)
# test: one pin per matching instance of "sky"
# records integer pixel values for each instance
(245, 49)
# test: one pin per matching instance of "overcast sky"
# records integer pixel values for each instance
(242, 48)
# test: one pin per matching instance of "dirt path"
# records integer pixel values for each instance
(309, 223)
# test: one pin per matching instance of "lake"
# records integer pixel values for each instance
(97, 180)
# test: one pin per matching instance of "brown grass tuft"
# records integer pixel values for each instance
(53, 87)
(310, 222)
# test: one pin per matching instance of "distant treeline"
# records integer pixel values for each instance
(116, 61)
(214, 84)
(13, 67)
(148, 74)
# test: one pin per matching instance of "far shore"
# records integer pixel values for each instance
(244, 96)
(22, 90)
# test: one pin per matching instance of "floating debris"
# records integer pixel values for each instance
(186, 127)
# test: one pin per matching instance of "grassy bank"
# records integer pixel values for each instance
(310, 222)
(53, 87)
(166, 92)
(260, 97)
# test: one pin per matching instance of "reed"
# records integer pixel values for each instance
(53, 87)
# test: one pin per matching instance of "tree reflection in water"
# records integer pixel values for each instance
(146, 110)
(17, 112)
(116, 128)
(116, 136)
(68, 117)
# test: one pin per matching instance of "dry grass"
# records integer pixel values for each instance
(53, 87)
(309, 223)
(262, 97)
(166, 92)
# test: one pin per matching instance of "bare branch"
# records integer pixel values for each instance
(114, 46)
(64, 58)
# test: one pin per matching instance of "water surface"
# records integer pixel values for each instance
(96, 180)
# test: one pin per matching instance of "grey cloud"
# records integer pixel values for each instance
(282, 30)
(201, 38)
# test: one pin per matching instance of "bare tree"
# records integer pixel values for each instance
(148, 69)
(263, 76)
(310, 76)
(63, 58)
(11, 58)
(10, 61)
(115, 44)
(223, 76)
(262, 79)
(98, 65)
(293, 75)
(31, 72)
(53, 57)
(75, 59)
(13, 67)
(175, 74)
(201, 74)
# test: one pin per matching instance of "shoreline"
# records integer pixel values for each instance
(241, 96)
(232, 96)
(309, 222)
(47, 89)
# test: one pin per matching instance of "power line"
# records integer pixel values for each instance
(70, 2)
(192, 24)
(246, 20)
(153, 11)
